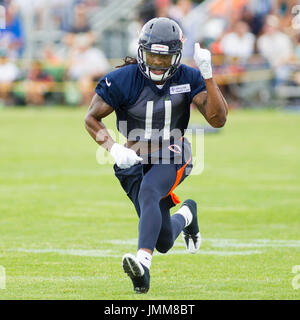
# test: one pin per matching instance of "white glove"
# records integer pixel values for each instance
(124, 157)
(202, 58)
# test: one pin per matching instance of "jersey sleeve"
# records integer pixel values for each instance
(109, 88)
(197, 82)
(193, 77)
(121, 87)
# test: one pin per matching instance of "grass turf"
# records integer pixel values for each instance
(65, 221)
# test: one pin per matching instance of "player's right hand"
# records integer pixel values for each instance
(124, 157)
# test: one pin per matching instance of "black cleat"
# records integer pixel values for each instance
(137, 272)
(191, 235)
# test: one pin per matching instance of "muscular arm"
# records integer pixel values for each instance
(98, 110)
(212, 104)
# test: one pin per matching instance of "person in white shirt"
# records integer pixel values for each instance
(277, 48)
(239, 43)
(86, 64)
(273, 44)
(8, 74)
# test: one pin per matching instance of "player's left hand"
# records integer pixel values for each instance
(202, 58)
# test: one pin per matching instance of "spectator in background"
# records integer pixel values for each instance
(12, 38)
(283, 10)
(162, 8)
(239, 43)
(179, 13)
(60, 13)
(8, 74)
(146, 11)
(232, 10)
(296, 54)
(180, 9)
(255, 12)
(38, 84)
(276, 47)
(295, 62)
(80, 26)
(53, 63)
(86, 64)
(296, 76)
(51, 56)
(92, 4)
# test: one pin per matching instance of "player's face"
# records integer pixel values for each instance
(158, 61)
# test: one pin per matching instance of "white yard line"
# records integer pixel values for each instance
(108, 253)
(62, 279)
(223, 243)
(215, 246)
(255, 243)
(73, 252)
(216, 252)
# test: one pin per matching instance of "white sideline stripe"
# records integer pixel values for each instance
(63, 279)
(213, 242)
(224, 243)
(107, 253)
(73, 252)
(255, 243)
(132, 242)
(217, 252)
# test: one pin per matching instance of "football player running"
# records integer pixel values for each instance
(151, 96)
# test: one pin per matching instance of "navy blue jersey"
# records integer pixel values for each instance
(145, 112)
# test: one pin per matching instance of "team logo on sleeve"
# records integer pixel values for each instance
(107, 83)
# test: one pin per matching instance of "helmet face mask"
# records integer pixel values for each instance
(161, 36)
(147, 68)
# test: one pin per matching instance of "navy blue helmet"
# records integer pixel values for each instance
(160, 36)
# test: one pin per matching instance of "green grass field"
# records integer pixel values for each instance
(65, 222)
